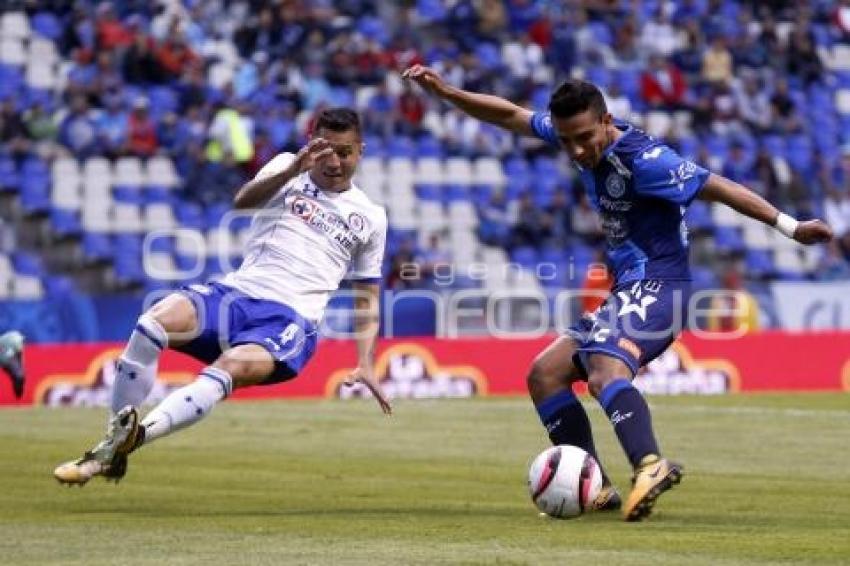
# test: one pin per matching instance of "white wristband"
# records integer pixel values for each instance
(786, 224)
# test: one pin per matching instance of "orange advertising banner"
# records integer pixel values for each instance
(82, 374)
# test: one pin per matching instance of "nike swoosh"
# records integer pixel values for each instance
(654, 474)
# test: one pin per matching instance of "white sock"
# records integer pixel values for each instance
(189, 404)
(137, 364)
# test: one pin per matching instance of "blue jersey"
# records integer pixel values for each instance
(640, 189)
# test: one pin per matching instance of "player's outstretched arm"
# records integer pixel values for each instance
(484, 107)
(720, 189)
(257, 192)
(366, 324)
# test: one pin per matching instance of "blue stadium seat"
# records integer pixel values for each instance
(58, 286)
(774, 146)
(65, 223)
(553, 254)
(429, 192)
(728, 240)
(9, 178)
(455, 193)
(156, 193)
(526, 256)
(799, 153)
(429, 146)
(128, 194)
(489, 56)
(35, 194)
(215, 214)
(96, 247)
(431, 11)
(374, 146)
(47, 24)
(481, 193)
(26, 263)
(400, 146)
(703, 278)
(189, 215)
(128, 270)
(759, 264)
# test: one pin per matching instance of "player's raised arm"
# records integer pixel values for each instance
(485, 107)
(366, 324)
(279, 171)
(720, 189)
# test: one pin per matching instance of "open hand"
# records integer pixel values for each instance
(813, 232)
(307, 156)
(360, 375)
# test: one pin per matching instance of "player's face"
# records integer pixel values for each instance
(334, 172)
(584, 136)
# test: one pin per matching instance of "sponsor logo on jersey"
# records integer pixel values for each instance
(356, 222)
(615, 185)
(614, 205)
(329, 223)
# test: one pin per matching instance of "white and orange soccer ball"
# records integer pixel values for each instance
(563, 481)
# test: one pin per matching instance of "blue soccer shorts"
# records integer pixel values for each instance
(228, 318)
(637, 322)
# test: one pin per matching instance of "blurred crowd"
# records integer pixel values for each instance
(221, 86)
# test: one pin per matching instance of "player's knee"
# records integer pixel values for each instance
(245, 366)
(176, 314)
(541, 379)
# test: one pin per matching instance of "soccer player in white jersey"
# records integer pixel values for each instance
(313, 228)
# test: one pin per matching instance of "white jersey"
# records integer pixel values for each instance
(305, 241)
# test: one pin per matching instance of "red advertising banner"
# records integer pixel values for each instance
(82, 374)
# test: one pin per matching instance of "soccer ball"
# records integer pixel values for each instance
(563, 481)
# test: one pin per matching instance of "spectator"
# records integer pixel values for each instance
(717, 63)
(784, 118)
(803, 60)
(40, 125)
(13, 131)
(752, 104)
(659, 36)
(836, 211)
(140, 65)
(739, 166)
(597, 284)
(411, 111)
(733, 309)
(832, 265)
(174, 56)
(841, 19)
(585, 221)
(78, 131)
(662, 85)
(111, 33)
(230, 134)
(141, 131)
(113, 125)
(532, 226)
(494, 226)
(404, 271)
(433, 259)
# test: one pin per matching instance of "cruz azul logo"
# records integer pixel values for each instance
(327, 222)
(676, 372)
(93, 387)
(410, 371)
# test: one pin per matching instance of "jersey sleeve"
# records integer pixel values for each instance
(280, 162)
(367, 263)
(662, 173)
(541, 125)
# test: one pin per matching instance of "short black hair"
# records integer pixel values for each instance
(338, 120)
(574, 97)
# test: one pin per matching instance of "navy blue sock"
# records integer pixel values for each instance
(629, 413)
(566, 422)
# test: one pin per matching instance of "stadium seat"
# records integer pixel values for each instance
(65, 223)
(26, 288)
(758, 264)
(158, 217)
(15, 25)
(47, 25)
(9, 179)
(12, 52)
(429, 170)
(26, 263)
(96, 247)
(58, 286)
(126, 218)
(728, 240)
(488, 171)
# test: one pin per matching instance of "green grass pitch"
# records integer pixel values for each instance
(441, 482)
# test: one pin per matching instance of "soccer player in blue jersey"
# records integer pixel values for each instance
(640, 188)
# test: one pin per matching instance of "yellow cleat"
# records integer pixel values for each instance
(607, 500)
(654, 476)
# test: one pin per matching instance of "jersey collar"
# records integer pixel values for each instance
(624, 127)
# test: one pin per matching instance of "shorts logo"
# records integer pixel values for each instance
(630, 347)
(639, 307)
(615, 185)
(303, 208)
(356, 222)
(202, 289)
